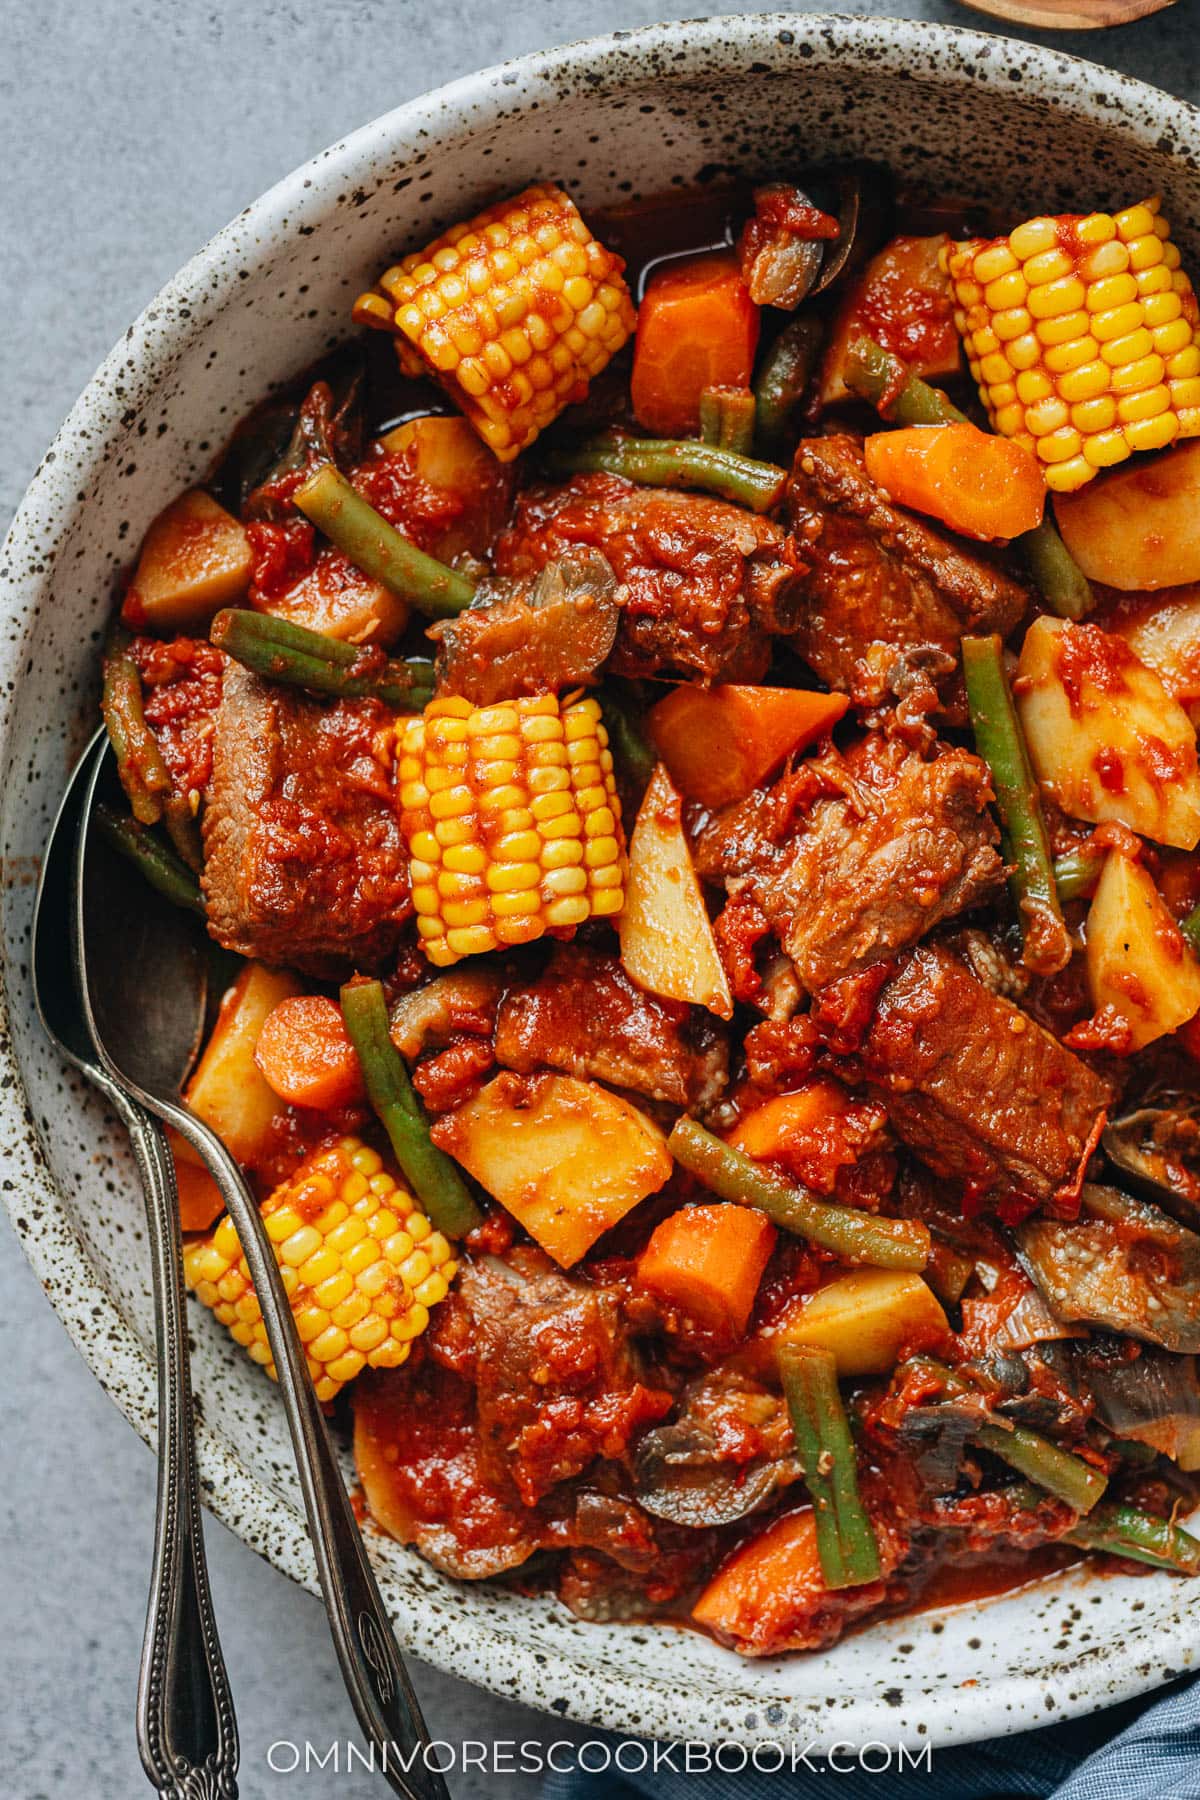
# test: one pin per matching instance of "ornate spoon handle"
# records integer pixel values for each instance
(376, 1679)
(186, 1730)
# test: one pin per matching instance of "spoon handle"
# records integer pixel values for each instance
(186, 1730)
(374, 1672)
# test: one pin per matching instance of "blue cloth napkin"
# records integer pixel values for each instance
(1141, 1750)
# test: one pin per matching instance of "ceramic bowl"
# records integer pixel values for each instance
(640, 111)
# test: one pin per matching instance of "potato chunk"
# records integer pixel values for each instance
(667, 941)
(195, 560)
(227, 1091)
(1106, 740)
(903, 300)
(1138, 962)
(1163, 631)
(1139, 525)
(567, 1158)
(339, 601)
(868, 1319)
(448, 455)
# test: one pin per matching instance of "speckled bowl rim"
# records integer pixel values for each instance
(590, 1689)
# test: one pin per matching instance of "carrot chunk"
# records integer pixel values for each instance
(697, 328)
(709, 1260)
(719, 743)
(200, 1202)
(983, 486)
(305, 1056)
(772, 1128)
(762, 1581)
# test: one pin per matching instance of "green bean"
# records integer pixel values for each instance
(846, 1541)
(1121, 1530)
(1076, 873)
(1059, 579)
(434, 1176)
(876, 375)
(1191, 929)
(856, 1236)
(727, 418)
(139, 760)
(676, 462)
(1127, 1531)
(630, 746)
(378, 549)
(1001, 743)
(144, 774)
(283, 651)
(1065, 1476)
(785, 373)
(166, 872)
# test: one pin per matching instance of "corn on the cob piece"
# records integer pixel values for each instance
(360, 1262)
(513, 312)
(512, 821)
(1081, 334)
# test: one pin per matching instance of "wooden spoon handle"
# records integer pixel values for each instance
(1069, 15)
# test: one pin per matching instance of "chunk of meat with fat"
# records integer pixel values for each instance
(980, 1092)
(702, 584)
(887, 596)
(896, 845)
(586, 1016)
(304, 860)
(557, 1382)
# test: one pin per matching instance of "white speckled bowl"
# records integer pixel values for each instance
(640, 110)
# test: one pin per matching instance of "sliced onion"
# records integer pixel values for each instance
(1032, 1321)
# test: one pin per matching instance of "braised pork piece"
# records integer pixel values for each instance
(708, 806)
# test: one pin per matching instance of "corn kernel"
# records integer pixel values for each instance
(1058, 445)
(1057, 298)
(1106, 448)
(1046, 416)
(1147, 404)
(1012, 324)
(1033, 385)
(1062, 330)
(1153, 434)
(1094, 415)
(1024, 351)
(1031, 239)
(1109, 258)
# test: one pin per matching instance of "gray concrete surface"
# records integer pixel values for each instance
(129, 132)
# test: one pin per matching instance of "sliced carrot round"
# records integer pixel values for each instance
(982, 486)
(306, 1057)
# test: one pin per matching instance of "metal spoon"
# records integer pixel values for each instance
(186, 1731)
(139, 961)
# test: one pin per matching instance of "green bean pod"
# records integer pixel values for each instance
(856, 1236)
(378, 549)
(676, 462)
(785, 373)
(434, 1177)
(727, 418)
(1001, 743)
(166, 872)
(280, 650)
(846, 1543)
